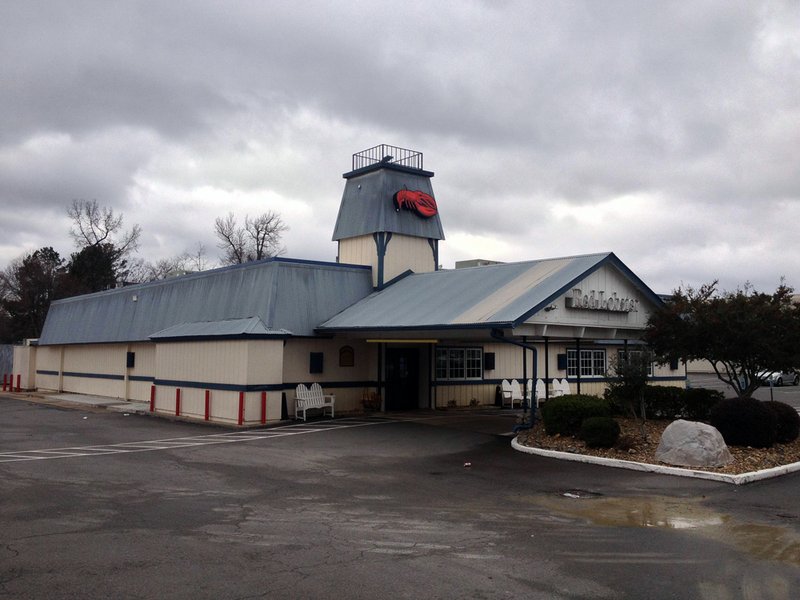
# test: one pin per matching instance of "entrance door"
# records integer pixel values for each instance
(402, 378)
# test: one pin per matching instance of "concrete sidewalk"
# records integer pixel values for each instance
(78, 400)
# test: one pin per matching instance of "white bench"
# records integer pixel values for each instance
(306, 399)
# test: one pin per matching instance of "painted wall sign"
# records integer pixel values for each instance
(597, 300)
(415, 200)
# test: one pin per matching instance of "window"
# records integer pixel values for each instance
(459, 363)
(346, 356)
(315, 362)
(592, 363)
(621, 357)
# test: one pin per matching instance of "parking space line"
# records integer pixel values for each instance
(186, 442)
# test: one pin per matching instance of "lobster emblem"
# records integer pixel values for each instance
(421, 203)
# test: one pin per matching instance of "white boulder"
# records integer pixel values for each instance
(692, 444)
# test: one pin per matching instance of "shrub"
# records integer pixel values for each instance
(698, 403)
(617, 401)
(564, 414)
(599, 432)
(745, 422)
(662, 402)
(788, 421)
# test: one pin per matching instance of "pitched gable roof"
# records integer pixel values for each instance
(490, 296)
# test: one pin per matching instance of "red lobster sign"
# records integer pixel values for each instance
(421, 203)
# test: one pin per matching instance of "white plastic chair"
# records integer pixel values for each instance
(529, 395)
(516, 392)
(565, 387)
(505, 387)
(541, 391)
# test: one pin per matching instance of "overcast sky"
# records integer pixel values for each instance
(666, 132)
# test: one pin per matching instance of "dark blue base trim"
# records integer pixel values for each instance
(259, 387)
(94, 375)
(141, 378)
(43, 372)
(446, 383)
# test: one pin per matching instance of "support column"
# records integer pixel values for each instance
(524, 375)
(578, 351)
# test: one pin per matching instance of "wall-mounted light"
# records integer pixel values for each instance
(549, 308)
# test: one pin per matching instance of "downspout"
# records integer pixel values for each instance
(380, 378)
(546, 369)
(498, 336)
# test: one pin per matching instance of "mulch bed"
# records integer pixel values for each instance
(632, 447)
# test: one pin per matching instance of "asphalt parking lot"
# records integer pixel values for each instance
(96, 504)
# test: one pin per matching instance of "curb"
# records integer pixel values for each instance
(660, 469)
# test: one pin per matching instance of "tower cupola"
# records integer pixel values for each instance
(388, 217)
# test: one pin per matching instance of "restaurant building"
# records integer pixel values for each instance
(383, 327)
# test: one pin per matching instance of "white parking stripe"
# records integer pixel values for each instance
(186, 442)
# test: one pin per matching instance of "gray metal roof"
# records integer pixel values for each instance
(284, 294)
(489, 296)
(367, 205)
(251, 327)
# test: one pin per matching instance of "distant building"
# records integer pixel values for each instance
(475, 262)
(381, 324)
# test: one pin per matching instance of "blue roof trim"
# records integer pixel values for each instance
(400, 277)
(392, 166)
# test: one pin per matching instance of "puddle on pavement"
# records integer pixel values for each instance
(767, 542)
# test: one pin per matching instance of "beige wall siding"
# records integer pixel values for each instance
(83, 364)
(222, 362)
(264, 361)
(144, 366)
(359, 250)
(508, 362)
(608, 280)
(406, 252)
(24, 367)
(48, 358)
(236, 362)
(699, 366)
(403, 252)
(296, 369)
(508, 365)
(464, 395)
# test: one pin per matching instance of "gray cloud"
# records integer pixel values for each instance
(178, 112)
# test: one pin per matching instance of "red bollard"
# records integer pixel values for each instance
(152, 398)
(208, 404)
(241, 408)
(178, 402)
(263, 408)
(19, 383)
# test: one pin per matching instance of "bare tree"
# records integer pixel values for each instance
(232, 240)
(94, 225)
(141, 271)
(265, 232)
(197, 260)
(259, 238)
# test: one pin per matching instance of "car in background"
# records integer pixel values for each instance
(778, 378)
